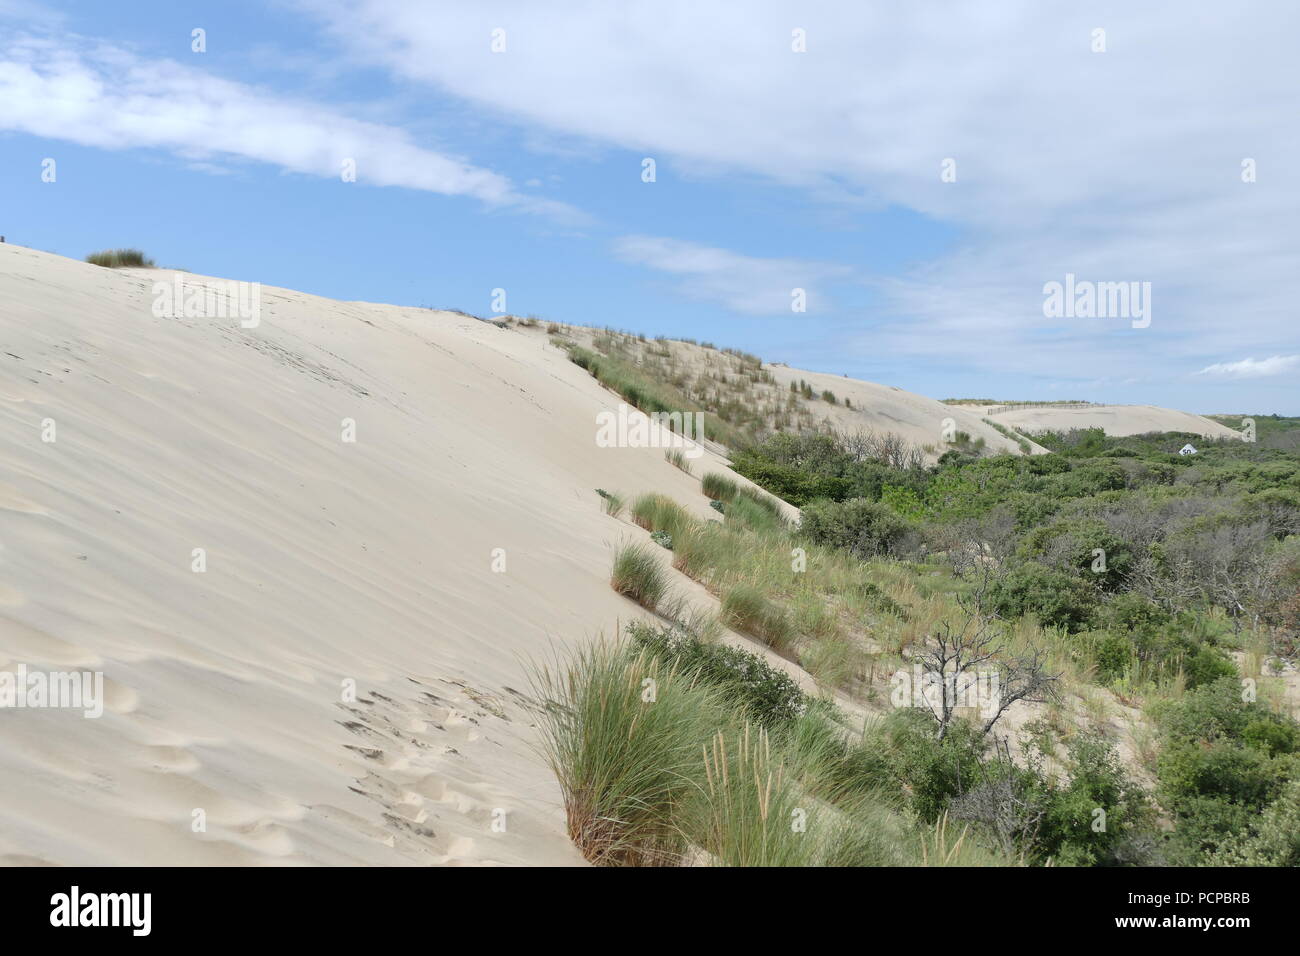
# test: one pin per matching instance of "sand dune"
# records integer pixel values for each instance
(887, 408)
(328, 565)
(1114, 419)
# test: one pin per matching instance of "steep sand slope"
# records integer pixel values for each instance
(1114, 419)
(326, 561)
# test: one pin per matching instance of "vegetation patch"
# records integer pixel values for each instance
(638, 574)
(120, 259)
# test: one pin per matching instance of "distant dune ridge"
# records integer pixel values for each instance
(1117, 420)
(314, 648)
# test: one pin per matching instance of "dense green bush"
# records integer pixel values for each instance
(769, 696)
(1273, 839)
(932, 771)
(1089, 478)
(864, 528)
(1055, 597)
(1072, 544)
(1099, 817)
(1134, 630)
(803, 468)
(795, 486)
(1224, 761)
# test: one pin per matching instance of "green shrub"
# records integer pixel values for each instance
(790, 483)
(1224, 761)
(768, 696)
(932, 771)
(1115, 656)
(864, 528)
(1057, 598)
(662, 538)
(1097, 782)
(1070, 544)
(1140, 632)
(1273, 838)
(1205, 665)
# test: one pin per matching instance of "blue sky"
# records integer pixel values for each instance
(521, 169)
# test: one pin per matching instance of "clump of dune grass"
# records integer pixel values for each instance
(627, 753)
(613, 502)
(654, 769)
(760, 498)
(746, 609)
(677, 458)
(638, 574)
(659, 766)
(835, 661)
(120, 259)
(768, 803)
(718, 487)
(749, 814)
(756, 509)
(656, 512)
(698, 548)
(750, 511)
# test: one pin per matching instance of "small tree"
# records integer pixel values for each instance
(954, 658)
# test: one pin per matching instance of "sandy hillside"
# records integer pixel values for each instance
(1114, 419)
(328, 564)
(887, 408)
(923, 422)
(326, 561)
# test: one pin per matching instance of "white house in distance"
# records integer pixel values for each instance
(1187, 449)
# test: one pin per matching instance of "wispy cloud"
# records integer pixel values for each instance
(1066, 160)
(100, 95)
(746, 284)
(1252, 368)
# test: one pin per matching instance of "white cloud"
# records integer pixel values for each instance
(746, 284)
(1115, 166)
(1251, 368)
(99, 95)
